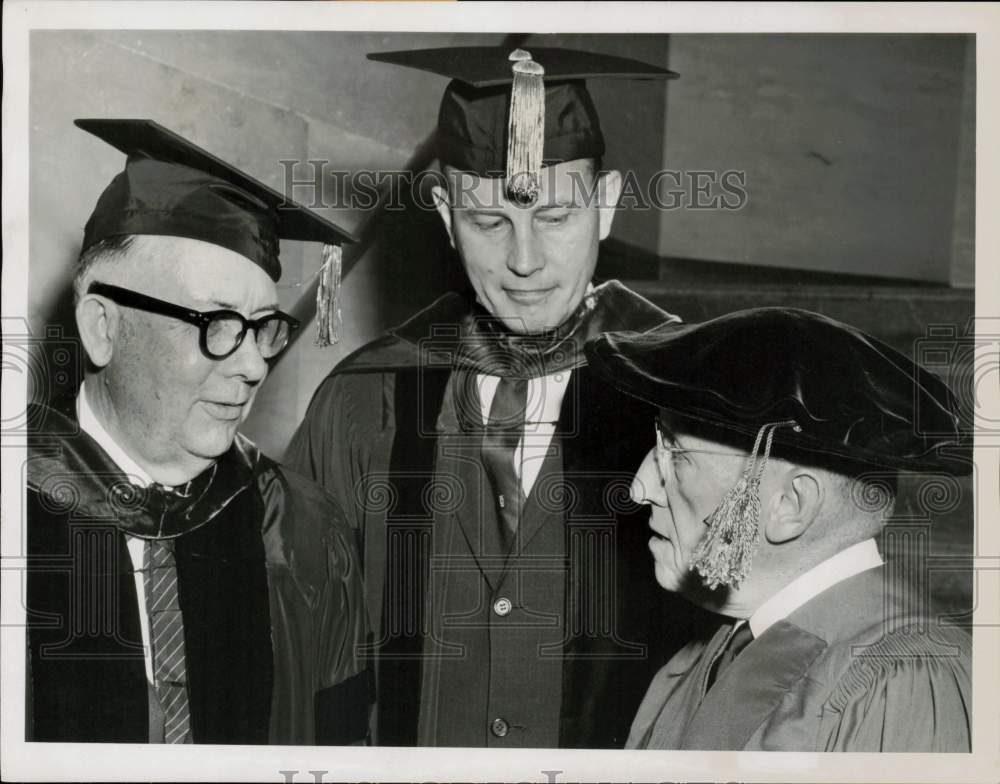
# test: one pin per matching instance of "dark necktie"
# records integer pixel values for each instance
(737, 642)
(167, 638)
(503, 432)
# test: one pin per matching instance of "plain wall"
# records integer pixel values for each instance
(858, 151)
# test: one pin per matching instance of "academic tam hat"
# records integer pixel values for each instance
(813, 389)
(852, 396)
(172, 187)
(508, 113)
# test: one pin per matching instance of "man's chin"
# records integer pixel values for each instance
(530, 318)
(668, 579)
(531, 323)
(214, 444)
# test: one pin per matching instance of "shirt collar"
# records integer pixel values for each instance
(91, 425)
(855, 559)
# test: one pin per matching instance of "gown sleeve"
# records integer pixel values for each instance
(906, 693)
(318, 617)
(335, 443)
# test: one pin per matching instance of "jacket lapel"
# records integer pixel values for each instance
(547, 500)
(751, 687)
(459, 461)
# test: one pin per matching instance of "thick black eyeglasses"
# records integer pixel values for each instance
(221, 331)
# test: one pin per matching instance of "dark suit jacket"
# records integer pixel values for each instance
(388, 434)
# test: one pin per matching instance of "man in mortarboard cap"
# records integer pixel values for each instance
(778, 443)
(182, 587)
(483, 463)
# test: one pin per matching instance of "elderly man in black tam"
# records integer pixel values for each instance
(182, 587)
(778, 440)
(484, 465)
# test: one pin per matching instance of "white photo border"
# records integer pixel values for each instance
(122, 762)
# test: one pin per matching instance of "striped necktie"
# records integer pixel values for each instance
(167, 633)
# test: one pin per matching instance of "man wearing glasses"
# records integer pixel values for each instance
(778, 443)
(182, 588)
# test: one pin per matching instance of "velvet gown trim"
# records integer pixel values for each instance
(220, 565)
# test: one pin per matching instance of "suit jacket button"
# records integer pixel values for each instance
(502, 606)
(499, 727)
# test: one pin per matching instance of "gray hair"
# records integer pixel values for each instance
(108, 250)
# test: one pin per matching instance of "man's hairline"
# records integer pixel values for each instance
(141, 248)
(449, 170)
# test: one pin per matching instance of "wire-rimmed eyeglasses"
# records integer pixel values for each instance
(221, 332)
(667, 452)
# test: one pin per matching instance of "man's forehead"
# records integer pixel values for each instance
(564, 183)
(204, 272)
(678, 431)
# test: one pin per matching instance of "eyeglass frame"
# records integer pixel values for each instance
(199, 318)
(662, 448)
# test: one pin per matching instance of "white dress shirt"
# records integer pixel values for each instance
(90, 425)
(855, 559)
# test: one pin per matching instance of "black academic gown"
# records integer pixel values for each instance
(268, 581)
(548, 645)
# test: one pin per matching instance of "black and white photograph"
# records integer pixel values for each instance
(503, 392)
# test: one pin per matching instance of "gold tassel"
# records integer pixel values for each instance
(328, 317)
(724, 556)
(525, 129)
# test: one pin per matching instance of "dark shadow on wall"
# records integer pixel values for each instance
(415, 261)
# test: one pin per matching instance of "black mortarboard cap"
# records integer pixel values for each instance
(508, 113)
(172, 187)
(854, 399)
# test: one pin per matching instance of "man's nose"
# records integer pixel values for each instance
(247, 361)
(647, 484)
(525, 257)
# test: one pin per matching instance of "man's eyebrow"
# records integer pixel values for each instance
(563, 202)
(216, 303)
(497, 212)
(223, 305)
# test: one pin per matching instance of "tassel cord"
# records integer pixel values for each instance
(724, 555)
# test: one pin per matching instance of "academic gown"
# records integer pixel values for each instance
(268, 581)
(549, 644)
(853, 669)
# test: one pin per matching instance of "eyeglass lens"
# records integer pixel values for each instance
(224, 334)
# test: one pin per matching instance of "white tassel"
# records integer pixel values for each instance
(328, 317)
(525, 129)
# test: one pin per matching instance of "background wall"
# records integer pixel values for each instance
(851, 147)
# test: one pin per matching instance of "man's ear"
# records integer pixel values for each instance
(98, 323)
(609, 189)
(794, 505)
(442, 205)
